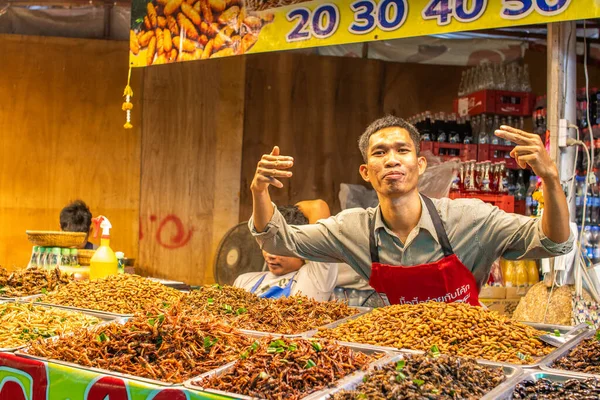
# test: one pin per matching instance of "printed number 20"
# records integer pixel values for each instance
(388, 15)
(321, 23)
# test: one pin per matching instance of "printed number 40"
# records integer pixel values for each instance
(388, 15)
(445, 10)
(321, 23)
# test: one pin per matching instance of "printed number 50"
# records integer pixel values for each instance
(321, 23)
(517, 9)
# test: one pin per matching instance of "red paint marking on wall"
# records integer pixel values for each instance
(177, 240)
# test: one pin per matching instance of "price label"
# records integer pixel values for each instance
(320, 23)
(462, 10)
(518, 9)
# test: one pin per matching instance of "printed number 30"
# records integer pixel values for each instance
(388, 15)
(321, 23)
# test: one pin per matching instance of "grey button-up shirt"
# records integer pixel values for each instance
(478, 232)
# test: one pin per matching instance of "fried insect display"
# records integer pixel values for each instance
(287, 368)
(428, 376)
(30, 281)
(165, 346)
(120, 294)
(22, 323)
(456, 328)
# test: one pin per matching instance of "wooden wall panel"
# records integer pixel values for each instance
(191, 158)
(62, 138)
(315, 108)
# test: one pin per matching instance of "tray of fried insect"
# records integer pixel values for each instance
(540, 381)
(22, 299)
(34, 330)
(547, 364)
(123, 375)
(24, 353)
(196, 383)
(361, 311)
(351, 383)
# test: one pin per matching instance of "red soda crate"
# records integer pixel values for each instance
(498, 102)
(466, 152)
(496, 153)
(504, 202)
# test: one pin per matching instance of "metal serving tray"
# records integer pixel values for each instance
(80, 309)
(511, 372)
(361, 311)
(572, 334)
(563, 351)
(105, 319)
(505, 391)
(123, 320)
(22, 299)
(315, 395)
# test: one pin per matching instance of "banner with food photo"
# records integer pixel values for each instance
(165, 31)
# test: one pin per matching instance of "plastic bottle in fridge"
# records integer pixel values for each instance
(587, 242)
(533, 272)
(511, 274)
(521, 278)
(595, 244)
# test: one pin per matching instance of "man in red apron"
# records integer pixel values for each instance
(411, 248)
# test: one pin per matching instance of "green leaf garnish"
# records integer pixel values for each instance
(240, 311)
(151, 321)
(228, 309)
(102, 337)
(271, 350)
(293, 347)
(210, 300)
(208, 342)
(254, 346)
(400, 377)
(557, 333)
(44, 291)
(263, 375)
(435, 351)
(244, 355)
(216, 285)
(418, 382)
(317, 346)
(309, 364)
(365, 378)
(400, 365)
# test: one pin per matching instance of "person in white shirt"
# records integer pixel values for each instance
(288, 276)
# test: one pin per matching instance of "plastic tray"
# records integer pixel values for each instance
(315, 395)
(104, 320)
(505, 391)
(563, 351)
(361, 311)
(510, 371)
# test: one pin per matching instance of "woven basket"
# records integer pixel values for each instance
(85, 256)
(56, 239)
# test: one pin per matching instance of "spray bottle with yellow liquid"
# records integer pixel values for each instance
(104, 262)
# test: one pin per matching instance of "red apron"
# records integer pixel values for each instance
(446, 280)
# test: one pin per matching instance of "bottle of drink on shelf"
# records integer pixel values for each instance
(493, 138)
(520, 189)
(482, 136)
(453, 135)
(440, 122)
(426, 134)
(467, 131)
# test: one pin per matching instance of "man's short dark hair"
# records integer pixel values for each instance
(76, 217)
(389, 121)
(293, 215)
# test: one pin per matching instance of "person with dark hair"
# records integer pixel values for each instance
(412, 248)
(77, 217)
(287, 276)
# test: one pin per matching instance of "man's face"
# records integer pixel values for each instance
(393, 167)
(279, 265)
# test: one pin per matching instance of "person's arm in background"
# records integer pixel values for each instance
(314, 210)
